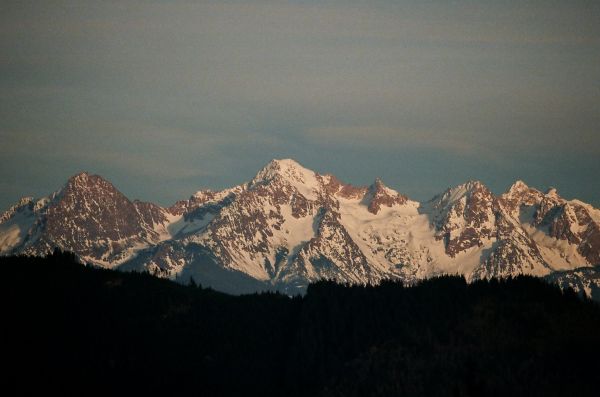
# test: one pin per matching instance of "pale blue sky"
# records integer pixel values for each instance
(166, 97)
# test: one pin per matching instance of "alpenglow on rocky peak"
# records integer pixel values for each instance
(290, 226)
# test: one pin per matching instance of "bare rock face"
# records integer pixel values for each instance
(573, 222)
(289, 226)
(547, 208)
(92, 218)
(251, 232)
(519, 195)
(203, 202)
(380, 195)
(90, 209)
(334, 187)
(465, 216)
(513, 252)
(331, 254)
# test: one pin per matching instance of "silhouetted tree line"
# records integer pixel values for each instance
(82, 330)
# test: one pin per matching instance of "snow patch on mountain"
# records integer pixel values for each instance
(559, 254)
(178, 225)
(14, 231)
(296, 231)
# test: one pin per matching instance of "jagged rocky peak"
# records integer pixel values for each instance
(378, 185)
(479, 197)
(552, 198)
(292, 225)
(86, 192)
(209, 196)
(288, 173)
(203, 195)
(467, 192)
(334, 186)
(475, 187)
(24, 202)
(520, 194)
(287, 169)
(549, 204)
(85, 181)
(195, 201)
(524, 194)
(91, 217)
(84, 189)
(517, 189)
(205, 199)
(380, 195)
(82, 177)
(519, 185)
(552, 193)
(579, 224)
(470, 187)
(464, 216)
(89, 193)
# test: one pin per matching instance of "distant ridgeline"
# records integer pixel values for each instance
(77, 329)
(289, 227)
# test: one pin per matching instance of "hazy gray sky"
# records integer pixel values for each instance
(166, 97)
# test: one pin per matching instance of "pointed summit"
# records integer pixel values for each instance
(520, 194)
(381, 195)
(552, 192)
(468, 189)
(286, 162)
(518, 191)
(474, 184)
(80, 176)
(518, 186)
(95, 220)
(285, 167)
(378, 184)
(551, 197)
(85, 180)
(378, 188)
(288, 171)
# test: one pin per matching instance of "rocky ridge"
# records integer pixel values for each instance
(289, 226)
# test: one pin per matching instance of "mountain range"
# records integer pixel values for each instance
(290, 226)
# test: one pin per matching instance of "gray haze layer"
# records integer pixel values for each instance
(166, 97)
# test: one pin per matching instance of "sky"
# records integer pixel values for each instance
(164, 98)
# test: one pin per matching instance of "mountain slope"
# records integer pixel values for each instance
(289, 226)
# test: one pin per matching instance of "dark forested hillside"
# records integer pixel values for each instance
(82, 330)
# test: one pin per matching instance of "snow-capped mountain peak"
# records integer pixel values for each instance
(289, 226)
(288, 171)
(552, 193)
(457, 193)
(459, 197)
(379, 195)
(517, 189)
(519, 185)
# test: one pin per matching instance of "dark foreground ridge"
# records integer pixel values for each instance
(81, 330)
